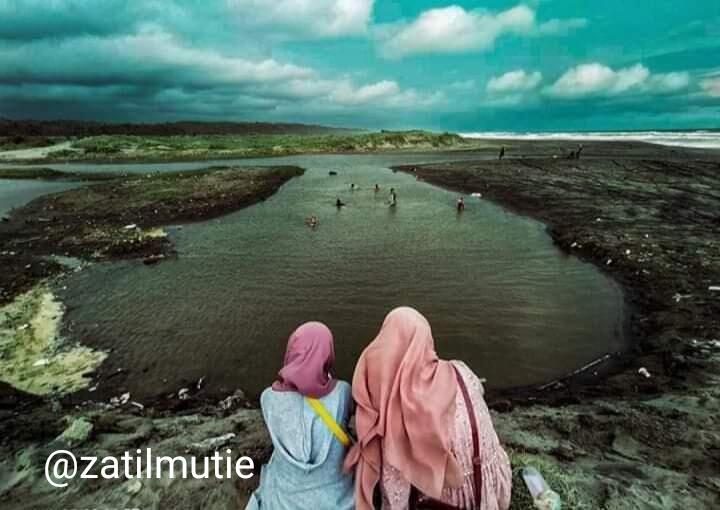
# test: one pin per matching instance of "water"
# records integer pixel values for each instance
(700, 139)
(497, 293)
(15, 193)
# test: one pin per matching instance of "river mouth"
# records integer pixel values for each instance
(495, 289)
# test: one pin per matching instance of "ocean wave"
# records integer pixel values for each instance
(701, 139)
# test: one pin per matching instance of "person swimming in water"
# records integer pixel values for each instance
(339, 203)
(460, 204)
(352, 186)
(312, 221)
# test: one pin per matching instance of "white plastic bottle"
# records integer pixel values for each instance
(544, 498)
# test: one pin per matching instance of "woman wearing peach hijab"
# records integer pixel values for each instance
(417, 441)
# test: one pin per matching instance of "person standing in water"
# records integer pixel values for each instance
(339, 203)
(377, 188)
(352, 186)
(393, 197)
(460, 204)
(502, 153)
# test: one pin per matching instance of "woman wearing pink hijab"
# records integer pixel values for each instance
(425, 436)
(305, 470)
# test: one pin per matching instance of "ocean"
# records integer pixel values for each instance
(701, 139)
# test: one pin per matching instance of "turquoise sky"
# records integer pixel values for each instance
(463, 66)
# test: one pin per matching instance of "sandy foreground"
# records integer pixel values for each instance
(646, 215)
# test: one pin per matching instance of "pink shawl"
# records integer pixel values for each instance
(405, 400)
(308, 363)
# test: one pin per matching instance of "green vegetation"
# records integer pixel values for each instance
(128, 147)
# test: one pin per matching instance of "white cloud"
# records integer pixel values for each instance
(561, 26)
(454, 29)
(314, 18)
(711, 86)
(596, 79)
(514, 81)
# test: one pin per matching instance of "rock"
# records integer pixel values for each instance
(212, 443)
(77, 433)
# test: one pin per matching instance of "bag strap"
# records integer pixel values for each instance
(329, 421)
(477, 461)
(432, 504)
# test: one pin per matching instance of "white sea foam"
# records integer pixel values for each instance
(697, 139)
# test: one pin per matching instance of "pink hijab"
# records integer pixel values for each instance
(309, 359)
(405, 400)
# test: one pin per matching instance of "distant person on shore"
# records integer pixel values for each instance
(425, 434)
(377, 188)
(305, 469)
(352, 186)
(393, 197)
(339, 203)
(502, 153)
(577, 154)
(460, 204)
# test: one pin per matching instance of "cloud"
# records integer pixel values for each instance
(596, 79)
(313, 18)
(561, 26)
(514, 81)
(711, 86)
(454, 29)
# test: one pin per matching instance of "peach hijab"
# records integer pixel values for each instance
(405, 398)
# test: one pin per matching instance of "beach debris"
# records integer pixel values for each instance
(236, 399)
(574, 244)
(130, 226)
(679, 297)
(137, 404)
(609, 261)
(153, 259)
(125, 398)
(93, 388)
(544, 498)
(200, 382)
(183, 394)
(627, 252)
(41, 362)
(212, 443)
(23, 327)
(77, 433)
(476, 195)
(714, 288)
(644, 372)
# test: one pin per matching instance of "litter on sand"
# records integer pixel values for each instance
(644, 372)
(130, 227)
(714, 288)
(476, 195)
(544, 498)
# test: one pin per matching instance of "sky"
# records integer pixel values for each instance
(493, 65)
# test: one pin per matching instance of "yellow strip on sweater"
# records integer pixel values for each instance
(329, 421)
